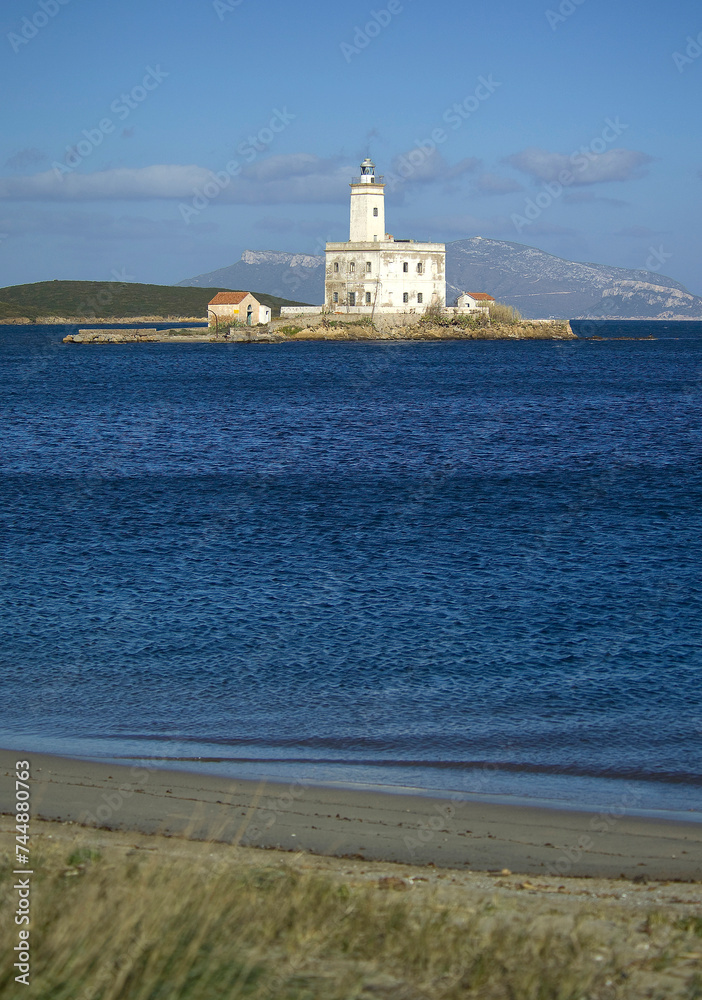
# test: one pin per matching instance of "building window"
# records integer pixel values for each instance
(335, 297)
(352, 266)
(368, 298)
(420, 268)
(420, 298)
(405, 297)
(405, 267)
(375, 213)
(336, 268)
(352, 298)
(369, 266)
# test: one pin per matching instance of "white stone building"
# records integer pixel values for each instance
(236, 307)
(373, 272)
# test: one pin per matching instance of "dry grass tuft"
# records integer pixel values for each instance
(507, 315)
(135, 926)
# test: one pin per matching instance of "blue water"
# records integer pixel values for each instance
(471, 566)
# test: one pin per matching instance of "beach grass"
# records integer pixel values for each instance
(136, 924)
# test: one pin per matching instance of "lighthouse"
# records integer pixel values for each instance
(367, 206)
(375, 273)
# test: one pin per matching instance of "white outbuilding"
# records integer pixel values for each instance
(474, 302)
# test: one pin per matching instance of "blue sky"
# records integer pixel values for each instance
(157, 140)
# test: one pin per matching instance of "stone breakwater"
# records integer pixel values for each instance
(289, 330)
(105, 335)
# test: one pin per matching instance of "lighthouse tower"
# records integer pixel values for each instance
(367, 206)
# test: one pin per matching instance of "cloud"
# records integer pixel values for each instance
(313, 181)
(415, 166)
(96, 226)
(492, 184)
(298, 178)
(160, 181)
(293, 178)
(592, 168)
(290, 165)
(467, 166)
(309, 227)
(26, 158)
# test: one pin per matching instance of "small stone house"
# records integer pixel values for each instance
(228, 308)
(471, 302)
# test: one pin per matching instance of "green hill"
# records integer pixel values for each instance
(91, 300)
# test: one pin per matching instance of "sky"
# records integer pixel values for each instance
(155, 140)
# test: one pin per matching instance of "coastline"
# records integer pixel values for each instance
(346, 332)
(364, 824)
(97, 320)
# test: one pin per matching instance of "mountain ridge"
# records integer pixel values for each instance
(539, 284)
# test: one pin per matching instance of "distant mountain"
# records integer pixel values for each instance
(288, 275)
(542, 286)
(537, 283)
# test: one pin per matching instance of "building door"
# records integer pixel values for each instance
(249, 316)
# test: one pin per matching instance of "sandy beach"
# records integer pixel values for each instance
(362, 824)
(358, 893)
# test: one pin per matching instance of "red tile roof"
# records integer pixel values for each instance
(481, 295)
(228, 298)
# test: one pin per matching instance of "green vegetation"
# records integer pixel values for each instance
(124, 924)
(113, 300)
(435, 317)
(82, 856)
(289, 331)
(10, 311)
(500, 314)
(363, 321)
(476, 321)
(506, 315)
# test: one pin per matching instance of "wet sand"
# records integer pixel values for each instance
(358, 824)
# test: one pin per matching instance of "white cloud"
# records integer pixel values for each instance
(467, 166)
(95, 226)
(588, 168)
(289, 165)
(416, 166)
(160, 181)
(489, 183)
(300, 178)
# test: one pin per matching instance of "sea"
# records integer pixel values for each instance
(469, 568)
